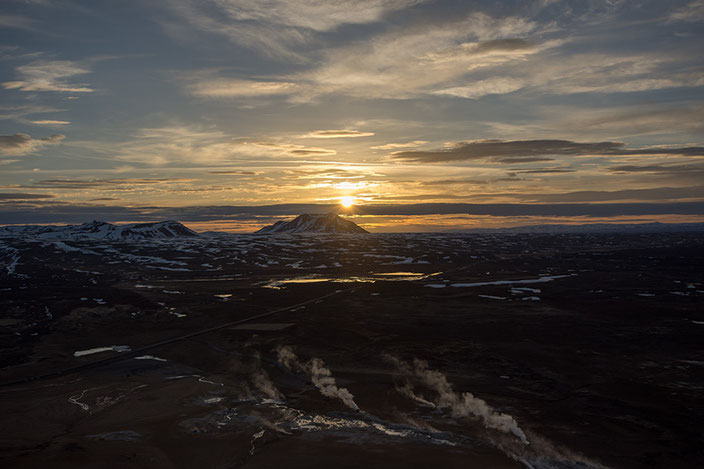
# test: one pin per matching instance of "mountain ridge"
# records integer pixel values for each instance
(313, 223)
(102, 230)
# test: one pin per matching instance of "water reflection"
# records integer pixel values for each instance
(371, 278)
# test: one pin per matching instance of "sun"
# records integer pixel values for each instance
(347, 201)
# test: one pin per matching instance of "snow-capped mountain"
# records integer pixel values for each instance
(102, 230)
(313, 223)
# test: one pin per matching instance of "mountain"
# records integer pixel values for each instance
(102, 230)
(596, 228)
(313, 223)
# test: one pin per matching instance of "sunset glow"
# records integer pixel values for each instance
(424, 108)
(361, 233)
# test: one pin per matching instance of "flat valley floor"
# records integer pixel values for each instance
(380, 351)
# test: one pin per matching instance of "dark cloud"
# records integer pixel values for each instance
(528, 159)
(509, 151)
(311, 152)
(676, 174)
(21, 144)
(105, 183)
(444, 182)
(23, 196)
(504, 45)
(652, 168)
(657, 168)
(23, 213)
(546, 171)
(653, 194)
(421, 197)
(658, 194)
(562, 210)
(234, 172)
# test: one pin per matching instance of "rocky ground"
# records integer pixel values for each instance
(382, 351)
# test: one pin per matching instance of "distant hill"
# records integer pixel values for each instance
(102, 230)
(313, 223)
(596, 228)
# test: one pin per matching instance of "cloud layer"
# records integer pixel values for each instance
(523, 151)
(234, 103)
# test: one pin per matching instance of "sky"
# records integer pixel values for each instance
(432, 114)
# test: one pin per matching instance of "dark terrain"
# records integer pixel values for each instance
(603, 366)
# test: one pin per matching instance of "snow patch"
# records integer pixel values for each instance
(111, 348)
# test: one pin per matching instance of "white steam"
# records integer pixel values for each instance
(319, 374)
(459, 405)
(544, 454)
(258, 385)
(261, 381)
(407, 390)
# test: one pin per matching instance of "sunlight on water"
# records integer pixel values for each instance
(374, 277)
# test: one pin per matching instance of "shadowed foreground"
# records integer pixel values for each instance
(410, 350)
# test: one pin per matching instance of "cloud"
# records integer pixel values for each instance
(178, 144)
(651, 168)
(114, 184)
(76, 213)
(49, 75)
(312, 152)
(470, 55)
(23, 196)
(454, 60)
(513, 151)
(328, 173)
(426, 58)
(503, 46)
(235, 88)
(568, 209)
(423, 197)
(638, 120)
(22, 144)
(444, 182)
(528, 159)
(688, 170)
(312, 14)
(499, 85)
(276, 27)
(651, 194)
(17, 21)
(677, 121)
(50, 122)
(20, 111)
(395, 146)
(337, 134)
(604, 73)
(547, 171)
(234, 172)
(277, 148)
(693, 12)
(403, 62)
